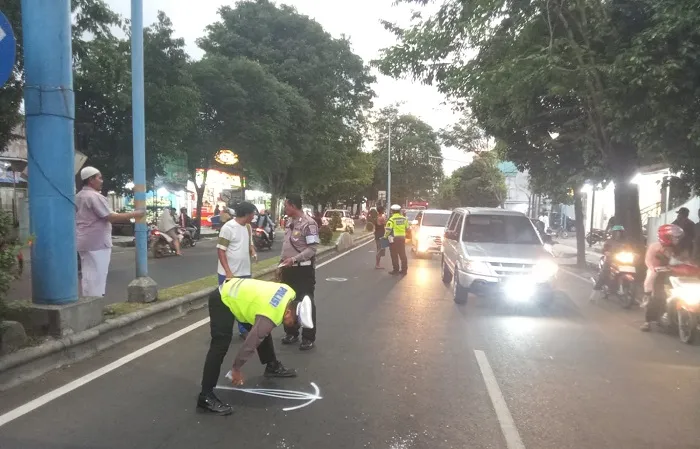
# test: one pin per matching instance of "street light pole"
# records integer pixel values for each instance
(388, 171)
(49, 104)
(143, 288)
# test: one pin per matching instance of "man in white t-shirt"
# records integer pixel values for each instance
(235, 247)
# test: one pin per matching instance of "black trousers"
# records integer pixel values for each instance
(221, 324)
(303, 282)
(398, 251)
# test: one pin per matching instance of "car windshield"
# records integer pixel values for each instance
(435, 219)
(499, 229)
(411, 214)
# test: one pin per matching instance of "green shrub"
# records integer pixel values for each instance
(369, 227)
(336, 222)
(325, 233)
(8, 257)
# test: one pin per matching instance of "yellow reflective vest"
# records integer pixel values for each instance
(396, 225)
(248, 298)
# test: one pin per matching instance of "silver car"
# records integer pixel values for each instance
(495, 251)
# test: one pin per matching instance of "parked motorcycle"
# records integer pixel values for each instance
(260, 240)
(622, 281)
(596, 236)
(681, 284)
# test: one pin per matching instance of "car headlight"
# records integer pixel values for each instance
(519, 289)
(625, 257)
(689, 294)
(544, 270)
(476, 267)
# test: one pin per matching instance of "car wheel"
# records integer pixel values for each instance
(446, 275)
(461, 295)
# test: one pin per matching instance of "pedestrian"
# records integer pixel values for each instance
(298, 266)
(379, 229)
(395, 231)
(217, 211)
(685, 246)
(168, 226)
(93, 222)
(260, 306)
(235, 248)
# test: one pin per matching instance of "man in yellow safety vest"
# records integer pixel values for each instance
(259, 306)
(396, 233)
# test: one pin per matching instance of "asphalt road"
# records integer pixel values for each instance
(195, 263)
(399, 366)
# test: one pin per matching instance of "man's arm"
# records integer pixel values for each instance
(221, 247)
(103, 211)
(262, 327)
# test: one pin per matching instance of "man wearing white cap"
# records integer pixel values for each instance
(259, 306)
(93, 222)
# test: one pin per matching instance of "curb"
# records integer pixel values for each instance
(29, 363)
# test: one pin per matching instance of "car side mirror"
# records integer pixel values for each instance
(414, 222)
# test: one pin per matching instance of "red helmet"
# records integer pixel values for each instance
(670, 234)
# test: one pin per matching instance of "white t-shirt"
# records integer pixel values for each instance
(235, 240)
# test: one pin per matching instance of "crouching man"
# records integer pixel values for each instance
(259, 306)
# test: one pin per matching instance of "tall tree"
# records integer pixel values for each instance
(416, 161)
(561, 56)
(297, 51)
(479, 184)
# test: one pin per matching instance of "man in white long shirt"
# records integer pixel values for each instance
(93, 221)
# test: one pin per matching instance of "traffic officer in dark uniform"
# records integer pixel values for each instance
(396, 233)
(298, 267)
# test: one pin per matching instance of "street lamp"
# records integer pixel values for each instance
(388, 171)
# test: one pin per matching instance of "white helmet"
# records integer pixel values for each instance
(395, 207)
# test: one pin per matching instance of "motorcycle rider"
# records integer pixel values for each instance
(659, 254)
(265, 223)
(167, 225)
(610, 247)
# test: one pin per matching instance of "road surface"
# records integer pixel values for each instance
(399, 366)
(195, 263)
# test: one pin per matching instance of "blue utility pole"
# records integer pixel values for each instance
(143, 288)
(139, 134)
(50, 112)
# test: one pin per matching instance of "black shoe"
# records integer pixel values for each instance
(393, 272)
(276, 369)
(403, 272)
(290, 339)
(211, 404)
(646, 327)
(306, 345)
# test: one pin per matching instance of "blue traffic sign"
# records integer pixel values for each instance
(8, 49)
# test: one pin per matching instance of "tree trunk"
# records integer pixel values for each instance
(580, 229)
(627, 211)
(200, 201)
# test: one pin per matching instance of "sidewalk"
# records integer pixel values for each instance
(565, 252)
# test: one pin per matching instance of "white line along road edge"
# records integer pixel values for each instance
(77, 383)
(505, 419)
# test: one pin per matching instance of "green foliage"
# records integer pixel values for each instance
(336, 222)
(9, 249)
(325, 234)
(479, 184)
(416, 160)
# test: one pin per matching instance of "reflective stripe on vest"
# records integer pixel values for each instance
(399, 223)
(247, 298)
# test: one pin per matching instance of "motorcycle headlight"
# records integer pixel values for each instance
(544, 270)
(625, 257)
(690, 294)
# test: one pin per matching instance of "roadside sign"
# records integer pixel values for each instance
(8, 49)
(381, 195)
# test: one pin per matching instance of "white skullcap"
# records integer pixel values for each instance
(304, 313)
(395, 207)
(88, 172)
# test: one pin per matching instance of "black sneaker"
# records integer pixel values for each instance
(290, 339)
(276, 369)
(306, 345)
(211, 404)
(646, 327)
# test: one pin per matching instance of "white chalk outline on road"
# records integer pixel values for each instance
(505, 419)
(279, 394)
(77, 383)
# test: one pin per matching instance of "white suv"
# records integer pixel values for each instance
(427, 231)
(347, 222)
(495, 251)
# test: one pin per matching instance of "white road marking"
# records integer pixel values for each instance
(576, 275)
(505, 419)
(77, 383)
